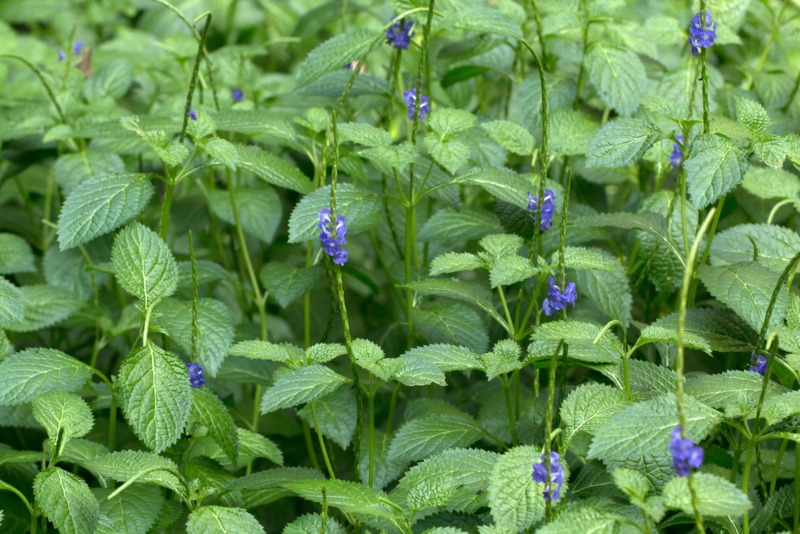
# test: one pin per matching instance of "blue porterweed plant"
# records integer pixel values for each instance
(378, 297)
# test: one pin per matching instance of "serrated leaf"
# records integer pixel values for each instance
(260, 210)
(62, 413)
(364, 134)
(222, 520)
(33, 372)
(223, 151)
(504, 184)
(588, 407)
(324, 352)
(102, 204)
(133, 511)
(156, 399)
(618, 75)
(16, 255)
(774, 245)
(11, 307)
(336, 414)
(580, 337)
(389, 158)
(752, 115)
(510, 136)
(456, 289)
(43, 306)
(66, 501)
(447, 357)
(456, 324)
(746, 288)
(332, 54)
(771, 149)
(413, 371)
(286, 283)
(450, 154)
(300, 386)
(590, 259)
(452, 262)
(143, 264)
(714, 167)
(273, 170)
(349, 497)
(770, 183)
(584, 520)
(419, 438)
(707, 329)
(515, 499)
(125, 465)
(358, 206)
(571, 131)
(447, 121)
(621, 142)
(485, 19)
(70, 271)
(509, 270)
(609, 290)
(70, 170)
(312, 524)
(631, 483)
(716, 497)
(263, 350)
(449, 226)
(210, 412)
(736, 392)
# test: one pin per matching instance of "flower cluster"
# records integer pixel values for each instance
(556, 476)
(399, 34)
(685, 454)
(700, 37)
(237, 94)
(548, 207)
(410, 97)
(676, 158)
(196, 378)
(332, 242)
(557, 300)
(760, 366)
(77, 48)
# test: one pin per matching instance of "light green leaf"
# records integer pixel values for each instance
(102, 204)
(618, 75)
(70, 170)
(609, 290)
(32, 372)
(456, 289)
(222, 520)
(332, 54)
(223, 151)
(349, 497)
(707, 329)
(11, 307)
(421, 437)
(504, 184)
(263, 350)
(716, 497)
(504, 358)
(447, 357)
(456, 324)
(113, 79)
(580, 337)
(771, 246)
(133, 511)
(589, 407)
(260, 210)
(43, 306)
(273, 170)
(771, 149)
(621, 142)
(714, 167)
(450, 154)
(61, 412)
(584, 520)
(484, 19)
(446, 121)
(255, 121)
(125, 465)
(364, 134)
(156, 399)
(69, 270)
(312, 524)
(66, 501)
(300, 386)
(143, 264)
(509, 270)
(358, 206)
(451, 262)
(752, 115)
(336, 414)
(736, 392)
(631, 483)
(778, 407)
(16, 255)
(389, 158)
(571, 131)
(771, 184)
(413, 371)
(515, 499)
(449, 226)
(210, 412)
(590, 259)
(510, 136)
(324, 352)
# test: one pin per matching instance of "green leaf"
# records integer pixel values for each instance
(447, 121)
(61, 412)
(336, 414)
(484, 19)
(43, 306)
(11, 307)
(456, 289)
(451, 262)
(504, 358)
(707, 329)
(618, 75)
(644, 428)
(273, 170)
(32, 372)
(70, 271)
(263, 350)
(448, 226)
(621, 142)
(223, 151)
(714, 167)
(746, 288)
(70, 170)
(210, 412)
(589, 407)
(450, 154)
(421, 437)
(590, 259)
(391, 158)
(113, 79)
(286, 283)
(510, 136)
(143, 264)
(364, 134)
(509, 270)
(134, 510)
(349, 497)
(260, 210)
(125, 465)
(609, 290)
(358, 206)
(332, 54)
(456, 324)
(504, 184)
(716, 497)
(586, 520)
(580, 337)
(101, 204)
(752, 115)
(312, 524)
(447, 357)
(413, 371)
(515, 499)
(771, 149)
(66, 501)
(222, 520)
(736, 392)
(16, 255)
(255, 121)
(771, 184)
(631, 483)
(156, 398)
(571, 131)
(771, 246)
(778, 407)
(300, 386)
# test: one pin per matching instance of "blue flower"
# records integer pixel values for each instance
(556, 476)
(399, 34)
(192, 114)
(556, 300)
(676, 158)
(700, 37)
(77, 47)
(410, 97)
(760, 366)
(237, 94)
(196, 378)
(61, 55)
(685, 454)
(332, 241)
(548, 207)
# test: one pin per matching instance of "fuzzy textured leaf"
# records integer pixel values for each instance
(33, 372)
(143, 264)
(66, 501)
(298, 387)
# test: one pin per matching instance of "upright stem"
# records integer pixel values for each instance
(371, 437)
(328, 465)
(538, 20)
(548, 424)
(509, 408)
(796, 515)
(193, 82)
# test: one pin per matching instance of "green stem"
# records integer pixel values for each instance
(796, 515)
(42, 80)
(746, 483)
(392, 408)
(704, 70)
(581, 69)
(328, 465)
(371, 437)
(169, 190)
(776, 467)
(310, 445)
(538, 21)
(509, 408)
(707, 249)
(548, 423)
(193, 82)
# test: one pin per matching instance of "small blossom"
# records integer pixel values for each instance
(700, 37)
(77, 47)
(556, 476)
(192, 114)
(760, 366)
(353, 64)
(556, 300)
(61, 55)
(196, 378)
(237, 94)
(548, 207)
(332, 241)
(685, 454)
(399, 34)
(410, 97)
(676, 158)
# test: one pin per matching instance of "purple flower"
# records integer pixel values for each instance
(760, 366)
(548, 207)
(77, 47)
(196, 378)
(237, 94)
(410, 97)
(399, 34)
(556, 476)
(700, 37)
(556, 300)
(676, 158)
(192, 114)
(61, 55)
(333, 239)
(685, 454)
